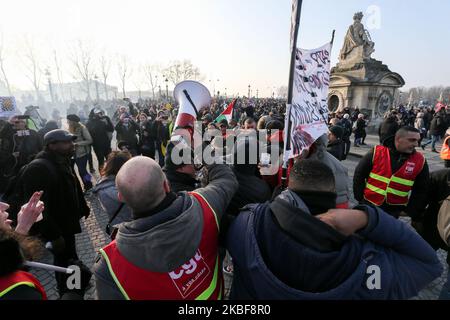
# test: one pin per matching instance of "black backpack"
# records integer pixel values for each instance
(15, 192)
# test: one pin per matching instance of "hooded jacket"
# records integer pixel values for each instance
(287, 254)
(340, 172)
(164, 241)
(100, 130)
(106, 192)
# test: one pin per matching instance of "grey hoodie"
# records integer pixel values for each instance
(163, 247)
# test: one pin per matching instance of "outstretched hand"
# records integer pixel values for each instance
(30, 213)
(4, 221)
(345, 221)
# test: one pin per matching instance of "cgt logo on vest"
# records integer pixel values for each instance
(410, 166)
(190, 275)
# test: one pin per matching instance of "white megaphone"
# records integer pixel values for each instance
(192, 98)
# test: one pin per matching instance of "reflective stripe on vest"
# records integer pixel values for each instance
(17, 279)
(200, 278)
(382, 186)
(445, 151)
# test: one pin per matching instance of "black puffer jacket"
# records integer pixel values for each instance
(100, 128)
(7, 161)
(252, 189)
(438, 125)
(438, 191)
(336, 148)
(128, 133)
(63, 196)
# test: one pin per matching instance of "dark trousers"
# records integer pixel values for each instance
(364, 135)
(85, 176)
(348, 145)
(159, 149)
(102, 155)
(90, 161)
(148, 149)
(65, 259)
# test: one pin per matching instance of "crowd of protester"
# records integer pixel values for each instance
(298, 239)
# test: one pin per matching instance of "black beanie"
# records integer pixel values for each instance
(73, 117)
(337, 131)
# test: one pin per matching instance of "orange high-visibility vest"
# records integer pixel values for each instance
(394, 189)
(200, 278)
(445, 152)
(20, 278)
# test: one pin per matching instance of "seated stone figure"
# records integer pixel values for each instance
(357, 36)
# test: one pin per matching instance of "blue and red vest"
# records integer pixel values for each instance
(200, 278)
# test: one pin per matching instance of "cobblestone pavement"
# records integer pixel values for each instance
(93, 238)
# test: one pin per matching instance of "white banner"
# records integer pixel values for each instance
(308, 112)
(8, 107)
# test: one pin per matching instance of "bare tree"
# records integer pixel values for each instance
(82, 57)
(32, 64)
(430, 95)
(282, 92)
(138, 79)
(59, 74)
(124, 71)
(2, 65)
(182, 70)
(151, 73)
(105, 67)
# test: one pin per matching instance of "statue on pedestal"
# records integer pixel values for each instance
(357, 37)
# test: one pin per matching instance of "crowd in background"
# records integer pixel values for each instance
(142, 194)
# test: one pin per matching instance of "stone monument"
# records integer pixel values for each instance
(358, 80)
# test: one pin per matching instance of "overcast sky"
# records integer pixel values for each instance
(238, 42)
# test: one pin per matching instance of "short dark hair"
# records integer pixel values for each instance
(311, 175)
(275, 125)
(405, 130)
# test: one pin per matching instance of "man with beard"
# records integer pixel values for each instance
(52, 173)
(394, 178)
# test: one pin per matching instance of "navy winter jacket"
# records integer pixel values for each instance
(405, 261)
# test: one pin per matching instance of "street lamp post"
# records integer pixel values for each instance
(153, 86)
(218, 91)
(159, 86)
(50, 88)
(96, 87)
(249, 91)
(225, 93)
(167, 89)
(257, 93)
